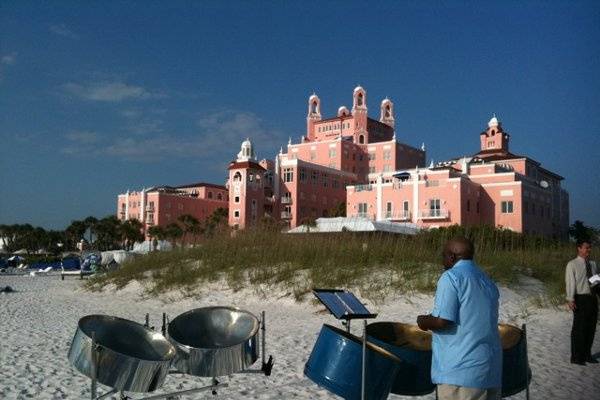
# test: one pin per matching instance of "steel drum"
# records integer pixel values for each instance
(413, 347)
(214, 341)
(130, 357)
(336, 364)
(516, 373)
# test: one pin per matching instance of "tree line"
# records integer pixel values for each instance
(108, 233)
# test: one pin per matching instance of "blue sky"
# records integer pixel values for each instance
(99, 97)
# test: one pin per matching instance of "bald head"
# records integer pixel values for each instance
(458, 248)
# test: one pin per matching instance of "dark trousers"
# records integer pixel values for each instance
(584, 326)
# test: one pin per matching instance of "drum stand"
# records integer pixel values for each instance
(345, 307)
(266, 368)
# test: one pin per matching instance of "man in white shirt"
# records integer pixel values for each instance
(582, 300)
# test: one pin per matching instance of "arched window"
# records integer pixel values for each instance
(314, 107)
(219, 196)
(359, 101)
(210, 196)
(387, 111)
(361, 139)
(237, 176)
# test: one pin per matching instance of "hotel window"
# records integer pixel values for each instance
(236, 199)
(388, 210)
(219, 196)
(434, 208)
(313, 154)
(468, 205)
(210, 195)
(324, 179)
(387, 168)
(288, 174)
(477, 207)
(360, 157)
(387, 154)
(332, 153)
(372, 156)
(362, 209)
(314, 177)
(346, 155)
(371, 170)
(236, 213)
(507, 207)
(335, 183)
(302, 174)
(405, 209)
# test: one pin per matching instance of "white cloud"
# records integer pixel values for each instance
(83, 137)
(217, 140)
(8, 59)
(109, 91)
(62, 30)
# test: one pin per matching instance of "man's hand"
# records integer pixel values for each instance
(429, 322)
(422, 322)
(571, 305)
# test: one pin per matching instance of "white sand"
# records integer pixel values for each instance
(37, 324)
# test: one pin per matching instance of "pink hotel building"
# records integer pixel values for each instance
(357, 162)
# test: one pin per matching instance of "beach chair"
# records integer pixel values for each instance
(77, 272)
(45, 270)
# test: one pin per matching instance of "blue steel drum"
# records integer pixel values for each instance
(516, 373)
(413, 347)
(336, 364)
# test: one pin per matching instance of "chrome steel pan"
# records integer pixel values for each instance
(214, 341)
(131, 357)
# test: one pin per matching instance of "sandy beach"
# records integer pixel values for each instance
(38, 321)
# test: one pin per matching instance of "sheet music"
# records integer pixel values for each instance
(594, 279)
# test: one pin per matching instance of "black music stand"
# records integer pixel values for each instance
(343, 305)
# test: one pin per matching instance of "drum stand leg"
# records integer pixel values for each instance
(267, 366)
(364, 359)
(215, 384)
(93, 366)
(524, 327)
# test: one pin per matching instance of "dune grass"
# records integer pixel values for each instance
(375, 264)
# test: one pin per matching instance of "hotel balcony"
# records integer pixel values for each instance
(399, 216)
(366, 215)
(434, 214)
(363, 188)
(286, 200)
(286, 215)
(150, 208)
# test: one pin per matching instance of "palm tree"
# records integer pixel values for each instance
(108, 233)
(173, 232)
(131, 232)
(74, 233)
(156, 233)
(190, 225)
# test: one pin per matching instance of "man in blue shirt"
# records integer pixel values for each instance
(467, 355)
